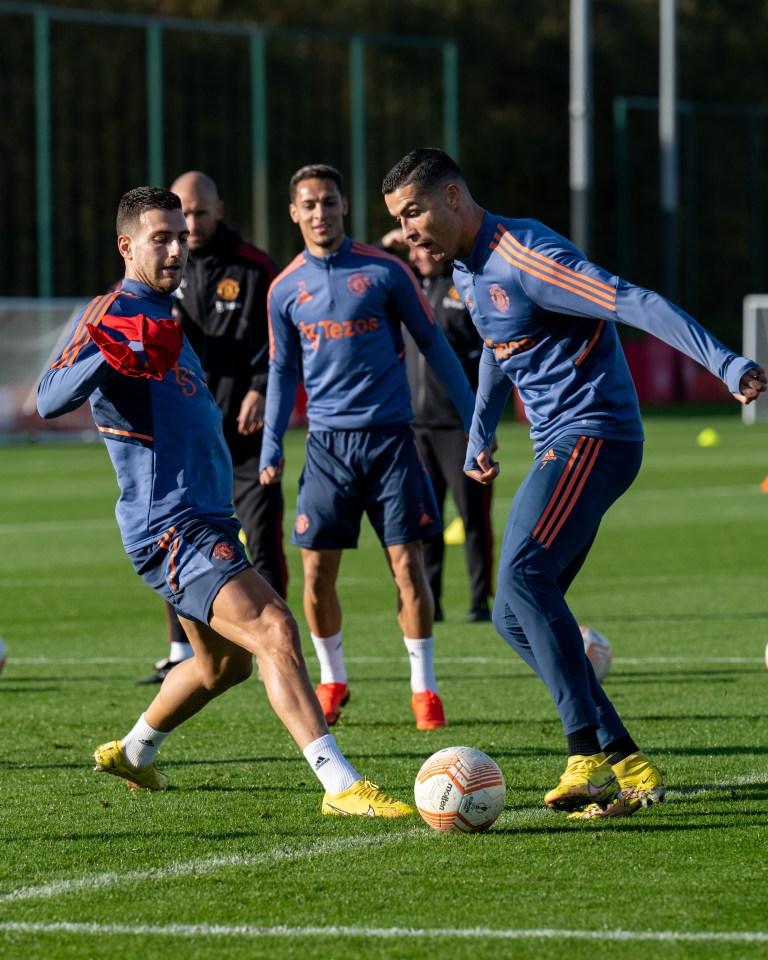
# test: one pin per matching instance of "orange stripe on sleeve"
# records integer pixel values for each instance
(514, 243)
(93, 314)
(555, 273)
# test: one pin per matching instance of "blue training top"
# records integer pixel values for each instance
(164, 436)
(547, 317)
(341, 316)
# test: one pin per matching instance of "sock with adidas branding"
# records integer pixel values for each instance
(329, 765)
(331, 658)
(421, 657)
(142, 743)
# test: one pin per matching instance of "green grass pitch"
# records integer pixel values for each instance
(236, 860)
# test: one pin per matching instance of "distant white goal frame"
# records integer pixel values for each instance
(755, 346)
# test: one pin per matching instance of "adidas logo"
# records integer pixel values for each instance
(148, 743)
(321, 762)
(548, 457)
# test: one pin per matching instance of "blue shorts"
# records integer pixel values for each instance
(351, 472)
(190, 563)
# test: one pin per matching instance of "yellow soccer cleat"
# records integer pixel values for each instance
(364, 799)
(640, 780)
(110, 758)
(587, 780)
(641, 785)
(615, 808)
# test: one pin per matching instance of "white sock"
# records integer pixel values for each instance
(142, 743)
(331, 657)
(180, 650)
(330, 765)
(421, 656)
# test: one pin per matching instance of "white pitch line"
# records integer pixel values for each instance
(509, 660)
(99, 881)
(202, 930)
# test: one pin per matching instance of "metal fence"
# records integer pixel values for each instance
(95, 103)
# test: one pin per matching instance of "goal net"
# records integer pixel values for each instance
(32, 332)
(755, 339)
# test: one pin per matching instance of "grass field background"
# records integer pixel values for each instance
(236, 860)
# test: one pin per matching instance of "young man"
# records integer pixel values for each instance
(547, 317)
(129, 357)
(337, 308)
(222, 305)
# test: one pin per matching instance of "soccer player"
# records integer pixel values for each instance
(548, 318)
(162, 427)
(222, 305)
(337, 310)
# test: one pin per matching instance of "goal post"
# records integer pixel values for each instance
(32, 331)
(755, 346)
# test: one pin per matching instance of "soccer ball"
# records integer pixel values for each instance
(3, 654)
(459, 790)
(598, 651)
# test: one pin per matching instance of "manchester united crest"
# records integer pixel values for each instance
(500, 298)
(358, 283)
(223, 551)
(228, 289)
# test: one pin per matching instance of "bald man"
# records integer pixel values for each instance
(222, 303)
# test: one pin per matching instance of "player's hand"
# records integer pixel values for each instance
(272, 474)
(394, 240)
(487, 468)
(751, 385)
(251, 417)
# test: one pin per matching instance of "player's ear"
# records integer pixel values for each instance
(220, 210)
(452, 195)
(293, 212)
(124, 247)
(344, 206)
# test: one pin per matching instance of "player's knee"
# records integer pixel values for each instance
(408, 571)
(279, 636)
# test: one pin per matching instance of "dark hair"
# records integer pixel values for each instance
(322, 171)
(427, 168)
(138, 201)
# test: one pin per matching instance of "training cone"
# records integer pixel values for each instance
(454, 532)
(764, 485)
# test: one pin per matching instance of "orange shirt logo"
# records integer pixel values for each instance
(228, 289)
(336, 330)
(223, 551)
(358, 284)
(503, 351)
(500, 298)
